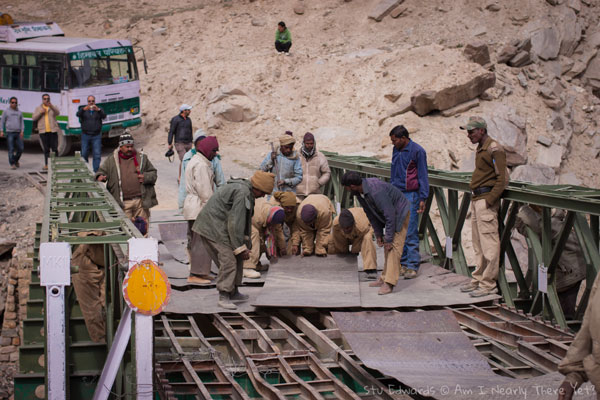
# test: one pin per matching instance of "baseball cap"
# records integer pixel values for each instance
(474, 123)
(185, 107)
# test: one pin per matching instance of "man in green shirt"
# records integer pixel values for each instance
(489, 180)
(283, 38)
(224, 225)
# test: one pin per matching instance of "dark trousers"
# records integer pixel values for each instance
(50, 142)
(95, 142)
(15, 147)
(283, 47)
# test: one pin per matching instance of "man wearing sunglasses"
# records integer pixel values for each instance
(12, 126)
(91, 117)
(45, 117)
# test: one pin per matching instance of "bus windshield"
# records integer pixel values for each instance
(102, 67)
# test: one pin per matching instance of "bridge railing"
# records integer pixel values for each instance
(451, 197)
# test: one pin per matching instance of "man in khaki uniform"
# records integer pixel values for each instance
(582, 362)
(289, 202)
(315, 168)
(314, 219)
(489, 180)
(266, 226)
(352, 228)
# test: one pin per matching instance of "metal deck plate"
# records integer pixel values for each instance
(329, 282)
(433, 286)
(428, 352)
(204, 301)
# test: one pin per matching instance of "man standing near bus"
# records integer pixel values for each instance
(45, 117)
(12, 127)
(181, 131)
(90, 118)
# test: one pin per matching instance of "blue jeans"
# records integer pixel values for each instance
(95, 141)
(14, 143)
(410, 256)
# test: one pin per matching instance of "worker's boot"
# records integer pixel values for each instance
(386, 288)
(237, 296)
(377, 283)
(225, 301)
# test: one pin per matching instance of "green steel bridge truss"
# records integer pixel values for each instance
(75, 203)
(450, 192)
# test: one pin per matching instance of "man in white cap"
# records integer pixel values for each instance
(181, 131)
(130, 179)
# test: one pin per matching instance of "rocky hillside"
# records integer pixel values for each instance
(358, 68)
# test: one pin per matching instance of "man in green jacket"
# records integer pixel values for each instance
(225, 224)
(130, 179)
(283, 38)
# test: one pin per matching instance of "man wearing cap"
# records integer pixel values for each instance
(489, 180)
(199, 182)
(219, 179)
(130, 179)
(285, 164)
(409, 174)
(387, 209)
(289, 202)
(266, 228)
(180, 131)
(352, 228)
(313, 218)
(225, 225)
(90, 118)
(315, 168)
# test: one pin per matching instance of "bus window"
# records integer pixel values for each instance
(51, 76)
(102, 71)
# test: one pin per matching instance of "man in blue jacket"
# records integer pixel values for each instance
(409, 174)
(285, 164)
(386, 207)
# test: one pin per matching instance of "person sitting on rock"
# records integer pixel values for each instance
(283, 38)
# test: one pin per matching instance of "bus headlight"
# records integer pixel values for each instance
(134, 110)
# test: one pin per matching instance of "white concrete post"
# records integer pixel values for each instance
(55, 274)
(139, 250)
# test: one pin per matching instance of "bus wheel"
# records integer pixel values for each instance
(65, 144)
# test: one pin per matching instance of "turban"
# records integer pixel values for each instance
(346, 219)
(199, 135)
(286, 140)
(309, 136)
(276, 216)
(125, 139)
(286, 199)
(207, 145)
(308, 213)
(263, 181)
(141, 224)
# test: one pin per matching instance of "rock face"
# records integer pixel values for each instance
(545, 43)
(509, 129)
(550, 156)
(477, 52)
(383, 8)
(425, 101)
(569, 31)
(534, 174)
(229, 104)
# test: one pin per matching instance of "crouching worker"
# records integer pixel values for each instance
(266, 227)
(352, 228)
(89, 286)
(224, 225)
(313, 218)
(387, 208)
(289, 202)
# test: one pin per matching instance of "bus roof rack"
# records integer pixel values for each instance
(28, 30)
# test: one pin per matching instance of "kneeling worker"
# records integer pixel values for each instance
(224, 225)
(313, 219)
(352, 228)
(266, 226)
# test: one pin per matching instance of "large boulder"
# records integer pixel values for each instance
(533, 173)
(569, 31)
(229, 104)
(509, 129)
(425, 101)
(550, 156)
(383, 8)
(545, 43)
(477, 52)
